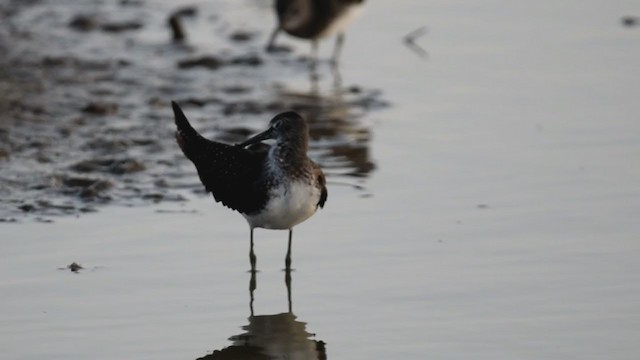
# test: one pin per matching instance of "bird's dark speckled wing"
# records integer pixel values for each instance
(230, 173)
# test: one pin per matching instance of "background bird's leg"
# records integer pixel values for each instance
(252, 255)
(337, 79)
(313, 63)
(287, 260)
(272, 39)
(337, 49)
(314, 55)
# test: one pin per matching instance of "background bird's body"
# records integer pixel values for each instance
(345, 14)
(315, 19)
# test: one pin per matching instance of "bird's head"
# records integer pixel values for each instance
(287, 127)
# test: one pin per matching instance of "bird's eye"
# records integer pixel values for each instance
(276, 124)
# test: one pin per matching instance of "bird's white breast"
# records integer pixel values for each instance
(289, 204)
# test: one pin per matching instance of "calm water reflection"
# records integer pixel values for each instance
(338, 133)
(272, 336)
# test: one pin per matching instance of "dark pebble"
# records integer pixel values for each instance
(121, 26)
(85, 188)
(247, 60)
(75, 267)
(209, 62)
(199, 102)
(158, 197)
(186, 11)
(113, 166)
(236, 90)
(241, 36)
(83, 23)
(176, 28)
(27, 207)
(4, 154)
(629, 21)
(131, 2)
(101, 108)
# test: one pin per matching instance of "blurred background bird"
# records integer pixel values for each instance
(315, 19)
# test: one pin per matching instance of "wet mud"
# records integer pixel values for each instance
(85, 93)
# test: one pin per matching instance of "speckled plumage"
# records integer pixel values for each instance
(274, 187)
(230, 173)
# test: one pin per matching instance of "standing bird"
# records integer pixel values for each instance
(315, 19)
(273, 186)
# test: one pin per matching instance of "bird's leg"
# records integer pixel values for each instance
(337, 49)
(287, 260)
(252, 255)
(272, 39)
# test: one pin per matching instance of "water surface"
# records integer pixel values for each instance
(483, 201)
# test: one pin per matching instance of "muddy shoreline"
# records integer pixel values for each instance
(85, 119)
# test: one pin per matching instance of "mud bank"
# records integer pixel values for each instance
(85, 88)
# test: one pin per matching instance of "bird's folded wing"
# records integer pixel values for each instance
(230, 173)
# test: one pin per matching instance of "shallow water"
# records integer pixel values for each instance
(483, 200)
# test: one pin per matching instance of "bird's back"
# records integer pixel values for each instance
(306, 19)
(231, 173)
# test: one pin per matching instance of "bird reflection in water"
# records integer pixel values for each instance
(277, 336)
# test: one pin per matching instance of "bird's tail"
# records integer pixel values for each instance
(186, 135)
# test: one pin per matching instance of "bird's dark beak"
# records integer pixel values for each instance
(265, 135)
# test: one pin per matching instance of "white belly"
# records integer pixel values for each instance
(287, 207)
